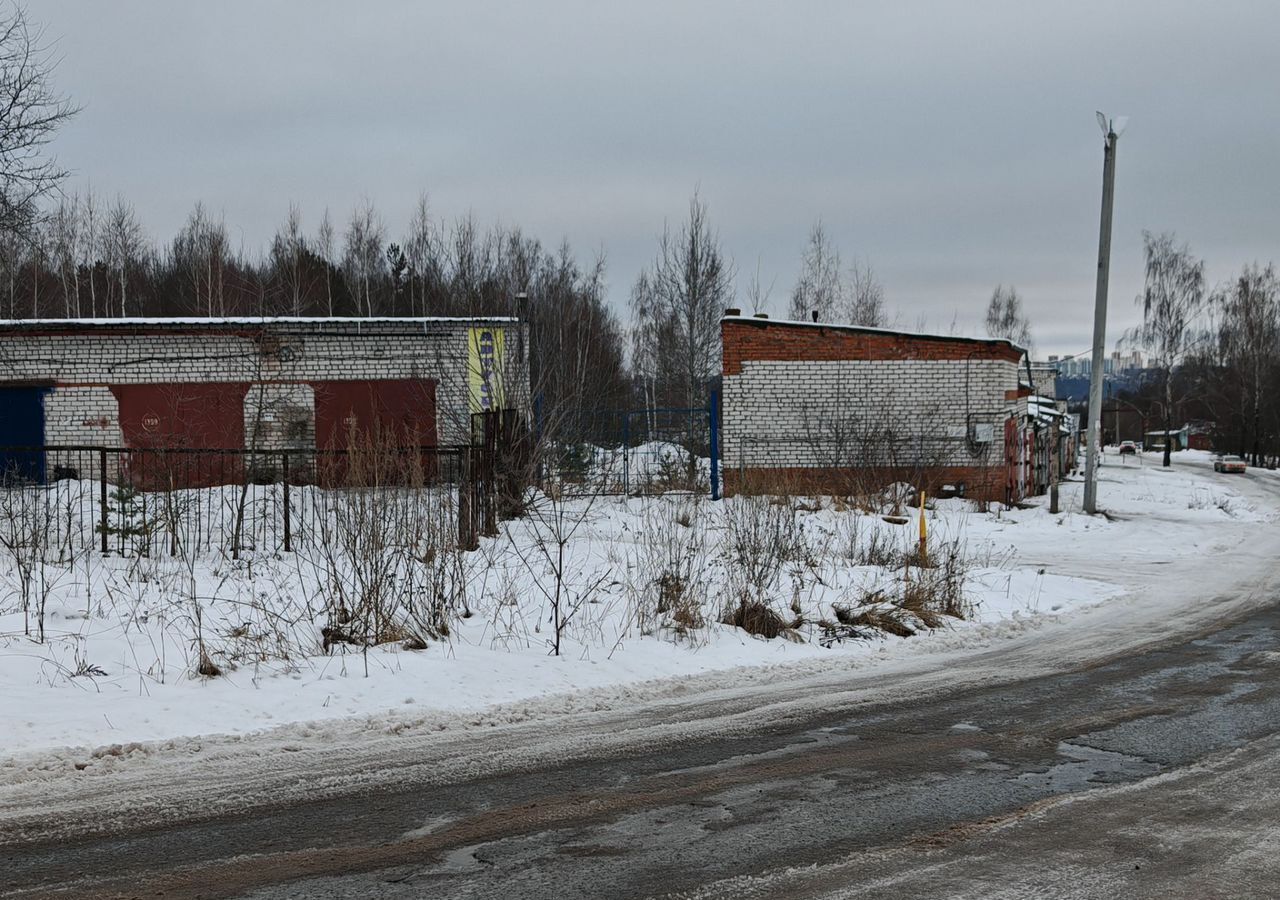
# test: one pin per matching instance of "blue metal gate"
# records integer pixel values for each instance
(22, 433)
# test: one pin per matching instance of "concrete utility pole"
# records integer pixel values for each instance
(1109, 128)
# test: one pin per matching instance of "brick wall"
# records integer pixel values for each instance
(81, 359)
(800, 400)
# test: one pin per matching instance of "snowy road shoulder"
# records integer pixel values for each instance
(1041, 583)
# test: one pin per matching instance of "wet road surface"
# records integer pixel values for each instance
(866, 804)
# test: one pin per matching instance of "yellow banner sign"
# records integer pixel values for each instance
(484, 369)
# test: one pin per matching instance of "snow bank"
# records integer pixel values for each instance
(117, 663)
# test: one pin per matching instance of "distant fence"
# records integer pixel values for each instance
(131, 501)
(633, 451)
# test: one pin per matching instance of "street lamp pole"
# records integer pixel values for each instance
(1111, 128)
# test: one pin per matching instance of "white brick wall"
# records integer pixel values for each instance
(832, 413)
(83, 360)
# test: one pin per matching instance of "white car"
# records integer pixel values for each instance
(1230, 464)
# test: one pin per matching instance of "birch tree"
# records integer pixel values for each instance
(865, 297)
(820, 290)
(362, 257)
(201, 254)
(288, 262)
(421, 249)
(680, 300)
(324, 249)
(1172, 299)
(64, 232)
(1250, 341)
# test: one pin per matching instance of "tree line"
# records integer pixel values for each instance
(80, 256)
(1216, 350)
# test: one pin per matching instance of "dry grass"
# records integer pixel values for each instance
(207, 668)
(918, 599)
(757, 618)
(883, 617)
(688, 618)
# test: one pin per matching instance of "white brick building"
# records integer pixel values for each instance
(278, 383)
(830, 403)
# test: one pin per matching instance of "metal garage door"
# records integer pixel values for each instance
(22, 425)
(355, 418)
(175, 427)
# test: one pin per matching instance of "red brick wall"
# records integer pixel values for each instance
(762, 339)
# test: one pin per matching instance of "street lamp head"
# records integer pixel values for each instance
(1114, 126)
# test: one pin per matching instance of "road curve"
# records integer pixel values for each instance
(684, 819)
(830, 785)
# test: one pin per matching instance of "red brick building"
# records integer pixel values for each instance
(837, 408)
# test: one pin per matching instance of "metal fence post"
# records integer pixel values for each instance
(102, 496)
(284, 475)
(626, 453)
(466, 531)
(713, 416)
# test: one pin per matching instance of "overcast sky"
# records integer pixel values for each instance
(953, 145)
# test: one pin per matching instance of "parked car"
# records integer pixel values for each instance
(1230, 464)
(1128, 448)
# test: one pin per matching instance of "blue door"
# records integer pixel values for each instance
(22, 426)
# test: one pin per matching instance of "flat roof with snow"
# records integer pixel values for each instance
(244, 321)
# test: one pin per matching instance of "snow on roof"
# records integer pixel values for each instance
(248, 320)
(874, 330)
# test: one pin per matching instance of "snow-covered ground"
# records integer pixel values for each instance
(117, 665)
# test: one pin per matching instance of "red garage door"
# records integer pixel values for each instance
(370, 423)
(172, 426)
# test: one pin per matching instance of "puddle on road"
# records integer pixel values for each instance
(1086, 766)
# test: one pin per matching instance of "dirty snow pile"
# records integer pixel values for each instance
(580, 594)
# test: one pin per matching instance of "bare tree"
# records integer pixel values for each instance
(64, 232)
(1172, 299)
(288, 261)
(90, 225)
(1006, 317)
(422, 252)
(324, 249)
(865, 297)
(649, 338)
(1250, 341)
(758, 295)
(362, 258)
(683, 298)
(12, 244)
(33, 112)
(820, 289)
(37, 256)
(201, 253)
(123, 245)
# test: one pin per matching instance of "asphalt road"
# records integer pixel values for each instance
(1151, 774)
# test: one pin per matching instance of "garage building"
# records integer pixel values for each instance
(250, 383)
(844, 409)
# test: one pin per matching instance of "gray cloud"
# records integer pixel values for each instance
(951, 144)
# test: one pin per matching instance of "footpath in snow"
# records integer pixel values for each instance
(639, 588)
